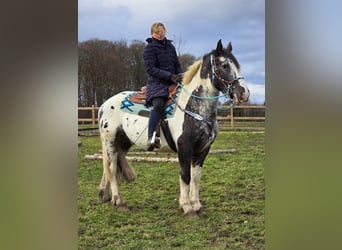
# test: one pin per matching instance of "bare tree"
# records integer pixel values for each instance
(137, 70)
(186, 60)
(106, 68)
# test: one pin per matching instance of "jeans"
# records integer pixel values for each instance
(156, 114)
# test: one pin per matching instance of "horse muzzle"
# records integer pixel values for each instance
(242, 97)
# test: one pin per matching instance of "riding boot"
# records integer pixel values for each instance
(152, 124)
(157, 142)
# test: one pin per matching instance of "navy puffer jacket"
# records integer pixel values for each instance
(160, 61)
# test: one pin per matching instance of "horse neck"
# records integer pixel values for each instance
(202, 92)
(203, 87)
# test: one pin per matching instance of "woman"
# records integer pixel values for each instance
(163, 69)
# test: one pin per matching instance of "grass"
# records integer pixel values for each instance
(232, 192)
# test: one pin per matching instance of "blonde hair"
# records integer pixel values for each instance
(156, 25)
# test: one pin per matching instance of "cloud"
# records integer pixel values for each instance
(257, 93)
(194, 25)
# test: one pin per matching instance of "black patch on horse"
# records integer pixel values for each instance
(121, 141)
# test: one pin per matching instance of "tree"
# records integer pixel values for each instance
(101, 70)
(106, 68)
(186, 60)
(137, 70)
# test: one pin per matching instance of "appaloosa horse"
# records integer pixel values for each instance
(189, 127)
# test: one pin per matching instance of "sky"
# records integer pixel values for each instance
(195, 25)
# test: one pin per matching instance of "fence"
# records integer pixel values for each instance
(246, 113)
(225, 114)
(93, 118)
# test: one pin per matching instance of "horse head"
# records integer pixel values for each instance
(224, 70)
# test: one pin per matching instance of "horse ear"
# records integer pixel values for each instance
(219, 48)
(230, 47)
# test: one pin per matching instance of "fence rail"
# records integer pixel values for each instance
(230, 117)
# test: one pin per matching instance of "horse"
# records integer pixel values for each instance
(189, 126)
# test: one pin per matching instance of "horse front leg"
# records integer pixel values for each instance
(194, 187)
(184, 181)
(196, 171)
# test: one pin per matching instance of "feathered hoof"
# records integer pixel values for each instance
(122, 207)
(101, 193)
(104, 198)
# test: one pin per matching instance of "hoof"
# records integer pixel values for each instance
(191, 214)
(122, 207)
(197, 207)
(101, 194)
(103, 198)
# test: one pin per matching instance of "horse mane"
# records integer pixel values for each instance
(191, 71)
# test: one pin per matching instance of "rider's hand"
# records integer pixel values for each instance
(176, 78)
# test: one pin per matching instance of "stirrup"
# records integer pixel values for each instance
(154, 142)
(151, 142)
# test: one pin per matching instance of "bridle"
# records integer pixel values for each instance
(215, 73)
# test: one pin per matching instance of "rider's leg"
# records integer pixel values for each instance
(155, 115)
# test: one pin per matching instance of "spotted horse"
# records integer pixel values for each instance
(191, 122)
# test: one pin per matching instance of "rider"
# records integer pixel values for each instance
(163, 69)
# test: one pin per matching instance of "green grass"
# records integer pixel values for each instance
(232, 193)
(87, 125)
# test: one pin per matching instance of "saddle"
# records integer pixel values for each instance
(140, 97)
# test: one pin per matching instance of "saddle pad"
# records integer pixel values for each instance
(139, 108)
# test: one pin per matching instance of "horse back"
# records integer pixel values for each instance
(109, 112)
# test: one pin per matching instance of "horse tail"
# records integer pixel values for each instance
(124, 170)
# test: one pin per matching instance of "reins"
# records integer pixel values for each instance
(201, 97)
(226, 95)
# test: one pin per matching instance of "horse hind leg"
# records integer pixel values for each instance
(116, 166)
(110, 177)
(115, 179)
(104, 186)
(123, 144)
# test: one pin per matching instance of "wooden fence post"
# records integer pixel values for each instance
(93, 114)
(231, 118)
